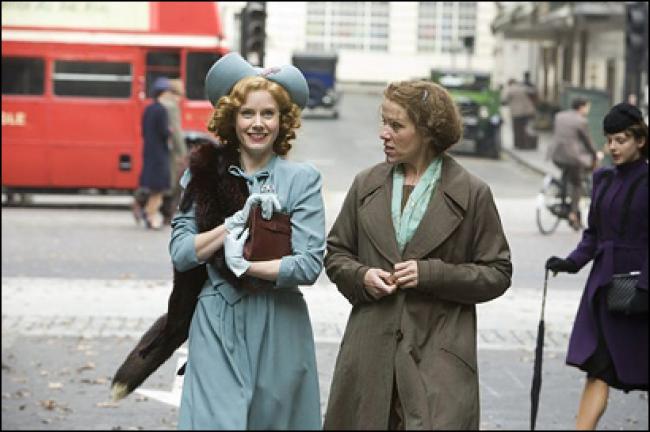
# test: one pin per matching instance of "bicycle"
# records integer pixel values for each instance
(554, 203)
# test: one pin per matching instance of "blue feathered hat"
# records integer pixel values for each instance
(232, 67)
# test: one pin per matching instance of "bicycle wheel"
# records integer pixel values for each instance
(549, 206)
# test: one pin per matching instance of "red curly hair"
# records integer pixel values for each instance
(222, 122)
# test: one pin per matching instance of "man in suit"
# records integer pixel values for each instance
(573, 152)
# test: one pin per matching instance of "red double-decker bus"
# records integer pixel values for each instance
(76, 77)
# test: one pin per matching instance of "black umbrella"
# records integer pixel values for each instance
(537, 367)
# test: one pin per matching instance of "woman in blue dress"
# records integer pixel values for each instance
(612, 347)
(251, 357)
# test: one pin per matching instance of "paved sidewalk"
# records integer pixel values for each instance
(62, 340)
(62, 383)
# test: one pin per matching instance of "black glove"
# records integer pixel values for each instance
(559, 265)
(639, 303)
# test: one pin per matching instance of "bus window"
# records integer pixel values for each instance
(198, 65)
(22, 76)
(162, 63)
(92, 79)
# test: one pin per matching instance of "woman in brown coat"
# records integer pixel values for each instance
(417, 244)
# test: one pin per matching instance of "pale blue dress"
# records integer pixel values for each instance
(251, 357)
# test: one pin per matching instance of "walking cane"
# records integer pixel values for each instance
(537, 366)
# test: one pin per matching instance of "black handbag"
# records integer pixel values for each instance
(621, 291)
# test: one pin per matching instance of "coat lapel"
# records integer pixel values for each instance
(374, 213)
(444, 213)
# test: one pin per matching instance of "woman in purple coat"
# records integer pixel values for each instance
(612, 348)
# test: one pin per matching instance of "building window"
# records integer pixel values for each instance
(316, 7)
(442, 27)
(315, 28)
(198, 65)
(23, 76)
(359, 26)
(162, 63)
(92, 79)
(427, 24)
(315, 46)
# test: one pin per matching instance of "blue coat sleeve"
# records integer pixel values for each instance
(307, 234)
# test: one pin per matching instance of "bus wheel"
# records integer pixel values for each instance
(12, 198)
(17, 198)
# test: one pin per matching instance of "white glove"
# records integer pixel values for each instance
(233, 245)
(268, 201)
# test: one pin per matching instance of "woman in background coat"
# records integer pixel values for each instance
(154, 177)
(417, 244)
(612, 348)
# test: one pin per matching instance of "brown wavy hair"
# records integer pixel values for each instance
(431, 108)
(223, 120)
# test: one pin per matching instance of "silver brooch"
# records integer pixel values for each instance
(267, 188)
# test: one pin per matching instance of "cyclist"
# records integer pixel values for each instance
(573, 152)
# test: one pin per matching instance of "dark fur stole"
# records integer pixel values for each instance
(216, 195)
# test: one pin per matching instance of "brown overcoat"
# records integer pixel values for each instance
(425, 337)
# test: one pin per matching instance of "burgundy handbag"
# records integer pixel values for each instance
(267, 239)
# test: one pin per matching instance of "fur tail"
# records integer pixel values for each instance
(164, 336)
(153, 349)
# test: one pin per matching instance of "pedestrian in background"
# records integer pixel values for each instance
(612, 348)
(519, 98)
(417, 244)
(573, 152)
(154, 177)
(251, 354)
(178, 148)
(532, 90)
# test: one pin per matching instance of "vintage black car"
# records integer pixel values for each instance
(319, 70)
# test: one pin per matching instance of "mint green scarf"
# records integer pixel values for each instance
(406, 222)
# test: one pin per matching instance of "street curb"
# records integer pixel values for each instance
(357, 87)
(520, 160)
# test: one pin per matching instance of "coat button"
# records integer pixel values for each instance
(398, 335)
